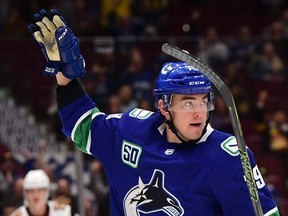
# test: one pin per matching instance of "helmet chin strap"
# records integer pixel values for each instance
(176, 132)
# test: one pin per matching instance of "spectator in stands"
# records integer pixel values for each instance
(284, 21)
(146, 105)
(194, 22)
(113, 104)
(268, 65)
(220, 118)
(12, 197)
(39, 162)
(233, 74)
(9, 207)
(212, 50)
(86, 16)
(275, 32)
(99, 186)
(151, 17)
(4, 9)
(14, 25)
(98, 83)
(137, 75)
(278, 131)
(236, 78)
(10, 169)
(63, 195)
(242, 46)
(261, 119)
(112, 14)
(3, 182)
(274, 128)
(242, 100)
(126, 96)
(15, 193)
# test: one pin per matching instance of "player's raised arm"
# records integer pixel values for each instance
(59, 46)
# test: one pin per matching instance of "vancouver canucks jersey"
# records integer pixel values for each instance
(150, 176)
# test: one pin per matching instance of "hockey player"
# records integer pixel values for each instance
(170, 162)
(36, 186)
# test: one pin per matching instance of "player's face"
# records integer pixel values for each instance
(189, 113)
(37, 198)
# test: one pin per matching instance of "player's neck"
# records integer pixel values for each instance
(38, 212)
(171, 137)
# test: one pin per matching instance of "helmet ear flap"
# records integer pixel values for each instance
(166, 100)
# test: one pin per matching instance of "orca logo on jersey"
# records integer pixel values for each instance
(151, 198)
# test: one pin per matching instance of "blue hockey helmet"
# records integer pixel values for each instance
(182, 78)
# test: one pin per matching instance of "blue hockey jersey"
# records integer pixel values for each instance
(149, 176)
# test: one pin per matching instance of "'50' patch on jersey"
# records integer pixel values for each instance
(130, 153)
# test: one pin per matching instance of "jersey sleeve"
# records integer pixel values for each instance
(232, 191)
(268, 205)
(92, 131)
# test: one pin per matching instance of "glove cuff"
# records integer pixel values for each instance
(71, 53)
(74, 69)
(52, 68)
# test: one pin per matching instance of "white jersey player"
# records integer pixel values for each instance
(36, 193)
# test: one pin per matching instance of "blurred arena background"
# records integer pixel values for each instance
(244, 41)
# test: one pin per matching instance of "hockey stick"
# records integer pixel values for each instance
(227, 96)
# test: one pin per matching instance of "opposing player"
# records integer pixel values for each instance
(167, 163)
(36, 186)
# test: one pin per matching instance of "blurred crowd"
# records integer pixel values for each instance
(249, 50)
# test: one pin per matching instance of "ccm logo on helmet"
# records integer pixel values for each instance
(197, 83)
